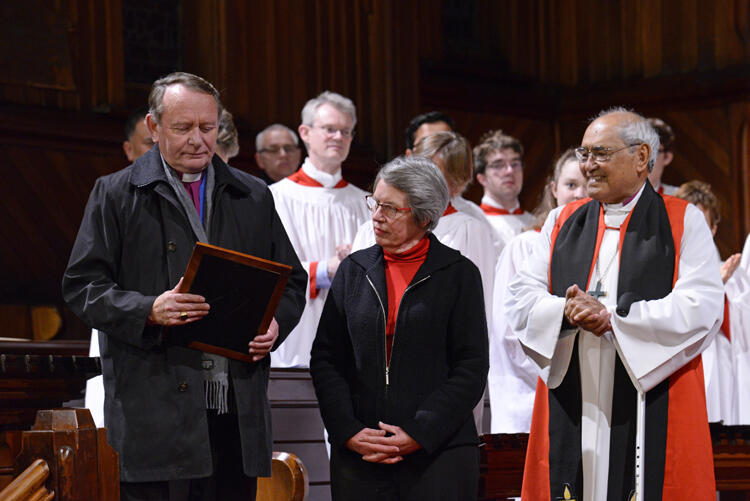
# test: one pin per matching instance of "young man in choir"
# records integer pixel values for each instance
(137, 137)
(614, 306)
(664, 158)
(277, 152)
(425, 124)
(320, 211)
(430, 123)
(185, 424)
(498, 165)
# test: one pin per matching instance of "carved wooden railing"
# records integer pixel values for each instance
(29, 485)
(34, 378)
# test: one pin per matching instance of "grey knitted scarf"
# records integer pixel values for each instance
(216, 367)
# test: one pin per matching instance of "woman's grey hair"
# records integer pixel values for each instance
(341, 103)
(262, 134)
(193, 82)
(636, 130)
(422, 182)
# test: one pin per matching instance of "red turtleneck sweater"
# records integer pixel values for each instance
(399, 272)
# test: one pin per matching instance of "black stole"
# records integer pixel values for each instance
(647, 260)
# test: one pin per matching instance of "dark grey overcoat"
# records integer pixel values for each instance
(133, 244)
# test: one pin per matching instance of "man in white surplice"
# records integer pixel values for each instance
(655, 338)
(320, 212)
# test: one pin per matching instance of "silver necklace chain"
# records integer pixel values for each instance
(602, 275)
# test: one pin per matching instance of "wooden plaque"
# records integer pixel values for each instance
(243, 292)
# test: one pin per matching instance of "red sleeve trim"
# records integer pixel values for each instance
(313, 280)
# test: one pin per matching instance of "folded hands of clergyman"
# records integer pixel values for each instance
(583, 310)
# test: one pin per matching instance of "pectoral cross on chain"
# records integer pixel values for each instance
(598, 292)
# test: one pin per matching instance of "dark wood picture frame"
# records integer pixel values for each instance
(222, 331)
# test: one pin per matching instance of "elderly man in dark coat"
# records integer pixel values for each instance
(186, 424)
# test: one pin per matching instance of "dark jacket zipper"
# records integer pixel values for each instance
(385, 326)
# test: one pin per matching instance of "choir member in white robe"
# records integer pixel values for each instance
(471, 209)
(719, 372)
(738, 294)
(425, 125)
(458, 230)
(498, 161)
(512, 377)
(620, 407)
(320, 212)
(718, 365)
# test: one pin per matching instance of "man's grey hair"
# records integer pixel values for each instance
(341, 103)
(637, 130)
(192, 82)
(422, 182)
(262, 134)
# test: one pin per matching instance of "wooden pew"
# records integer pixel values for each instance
(288, 481)
(29, 485)
(35, 376)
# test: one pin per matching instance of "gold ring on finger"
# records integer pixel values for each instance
(183, 315)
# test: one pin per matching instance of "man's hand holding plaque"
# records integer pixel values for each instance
(174, 308)
(240, 291)
(261, 344)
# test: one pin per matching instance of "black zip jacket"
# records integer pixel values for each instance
(439, 361)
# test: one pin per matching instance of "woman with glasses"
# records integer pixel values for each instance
(400, 356)
(458, 228)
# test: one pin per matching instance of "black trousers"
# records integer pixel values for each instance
(228, 480)
(449, 475)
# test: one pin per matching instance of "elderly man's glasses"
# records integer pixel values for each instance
(331, 131)
(600, 154)
(387, 210)
(276, 150)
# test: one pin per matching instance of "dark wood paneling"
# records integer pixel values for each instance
(65, 54)
(537, 70)
(575, 42)
(289, 51)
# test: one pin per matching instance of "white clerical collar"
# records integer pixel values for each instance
(627, 207)
(488, 200)
(324, 178)
(190, 178)
(184, 176)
